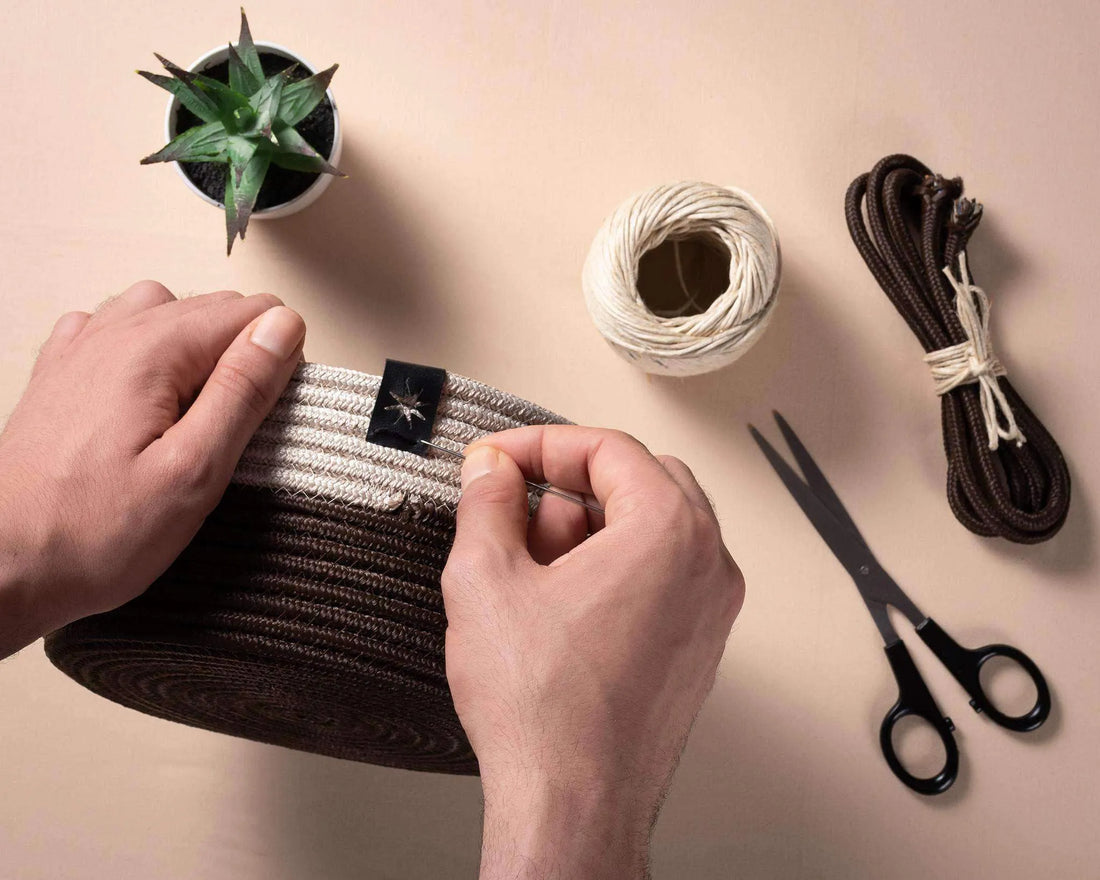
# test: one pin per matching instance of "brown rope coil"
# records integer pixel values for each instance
(311, 622)
(909, 225)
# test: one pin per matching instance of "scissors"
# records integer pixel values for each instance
(820, 503)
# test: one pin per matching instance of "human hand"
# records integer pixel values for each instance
(577, 664)
(124, 441)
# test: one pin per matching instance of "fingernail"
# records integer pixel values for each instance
(480, 461)
(279, 331)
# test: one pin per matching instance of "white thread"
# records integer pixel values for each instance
(973, 360)
(681, 344)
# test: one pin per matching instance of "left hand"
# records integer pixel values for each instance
(124, 441)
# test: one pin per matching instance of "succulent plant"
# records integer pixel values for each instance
(248, 124)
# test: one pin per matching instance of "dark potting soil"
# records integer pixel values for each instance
(280, 184)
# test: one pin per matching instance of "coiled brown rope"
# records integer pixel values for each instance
(911, 225)
(307, 611)
(293, 621)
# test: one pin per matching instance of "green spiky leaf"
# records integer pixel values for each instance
(174, 69)
(240, 151)
(201, 105)
(298, 162)
(203, 143)
(266, 104)
(244, 118)
(240, 77)
(242, 186)
(294, 152)
(299, 98)
(189, 80)
(247, 50)
(226, 99)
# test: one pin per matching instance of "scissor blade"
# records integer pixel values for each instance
(815, 478)
(848, 547)
(875, 586)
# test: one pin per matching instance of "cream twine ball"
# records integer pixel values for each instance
(683, 344)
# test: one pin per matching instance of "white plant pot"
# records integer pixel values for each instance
(216, 56)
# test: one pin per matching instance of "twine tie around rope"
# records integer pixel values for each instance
(974, 361)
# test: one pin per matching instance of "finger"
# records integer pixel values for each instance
(136, 298)
(194, 341)
(610, 465)
(66, 329)
(683, 476)
(243, 387)
(198, 301)
(555, 529)
(491, 522)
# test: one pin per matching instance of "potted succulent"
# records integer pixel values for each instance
(253, 128)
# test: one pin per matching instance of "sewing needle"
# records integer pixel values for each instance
(538, 487)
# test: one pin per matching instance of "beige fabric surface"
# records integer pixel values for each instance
(485, 143)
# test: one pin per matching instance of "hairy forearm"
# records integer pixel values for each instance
(19, 615)
(547, 830)
(22, 616)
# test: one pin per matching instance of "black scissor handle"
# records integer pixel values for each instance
(914, 698)
(966, 665)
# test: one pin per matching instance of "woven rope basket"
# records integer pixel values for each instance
(307, 611)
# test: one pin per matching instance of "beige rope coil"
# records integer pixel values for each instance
(683, 344)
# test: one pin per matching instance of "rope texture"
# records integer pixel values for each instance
(307, 611)
(683, 345)
(911, 227)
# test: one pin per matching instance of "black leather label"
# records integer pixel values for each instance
(404, 410)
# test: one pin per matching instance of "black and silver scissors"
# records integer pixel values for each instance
(820, 503)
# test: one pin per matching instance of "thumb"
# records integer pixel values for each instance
(244, 385)
(492, 515)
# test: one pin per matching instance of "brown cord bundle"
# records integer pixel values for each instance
(307, 611)
(911, 225)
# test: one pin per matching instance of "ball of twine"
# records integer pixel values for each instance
(683, 344)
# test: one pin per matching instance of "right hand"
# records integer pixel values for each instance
(578, 663)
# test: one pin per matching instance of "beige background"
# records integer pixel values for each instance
(486, 142)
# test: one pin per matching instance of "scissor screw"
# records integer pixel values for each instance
(863, 569)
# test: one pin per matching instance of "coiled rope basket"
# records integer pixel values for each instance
(307, 611)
